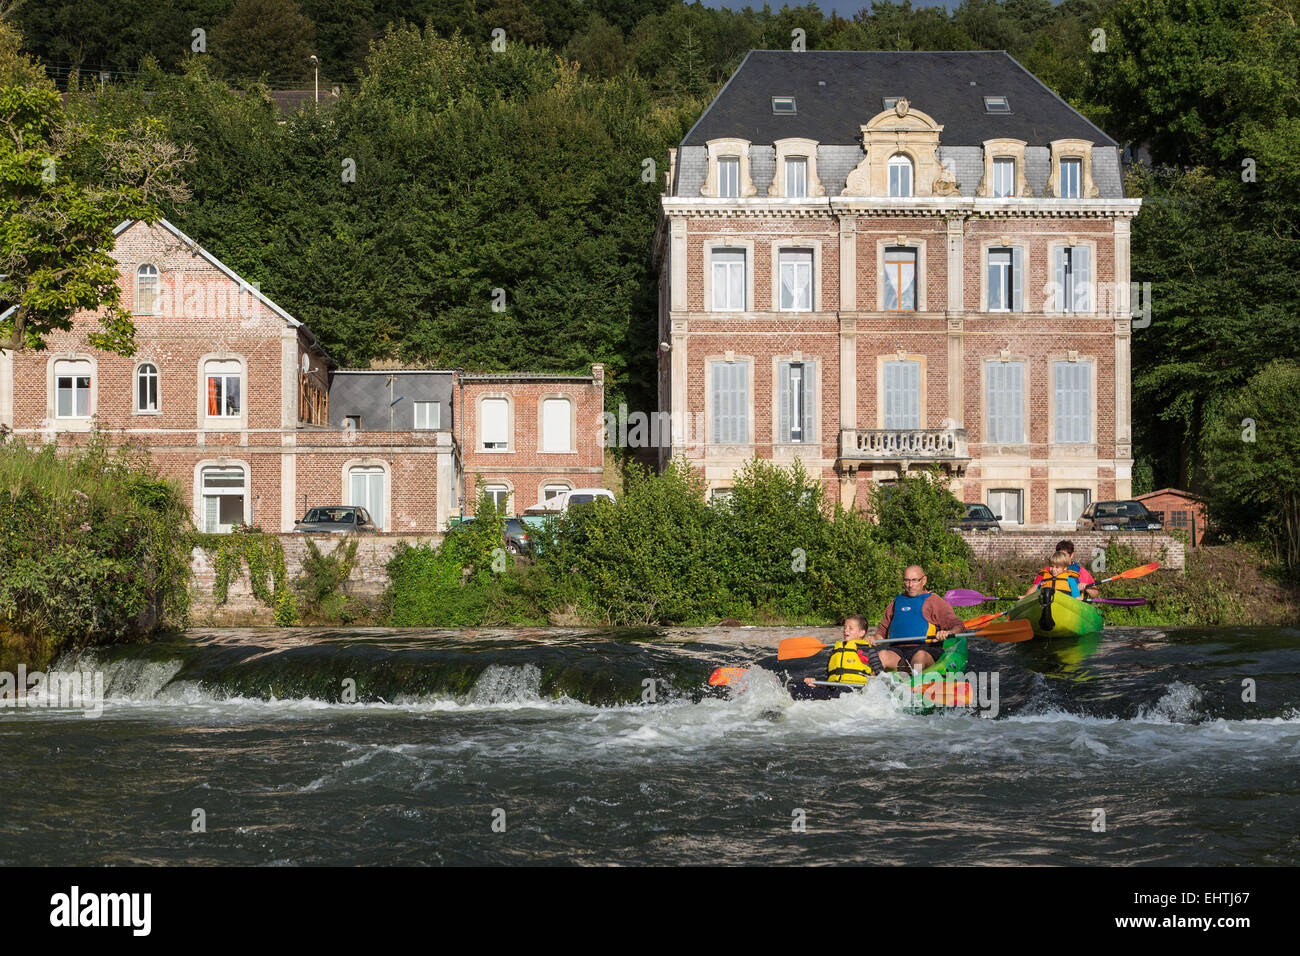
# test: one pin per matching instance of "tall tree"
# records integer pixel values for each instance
(270, 38)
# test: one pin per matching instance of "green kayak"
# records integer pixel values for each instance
(1057, 614)
(942, 684)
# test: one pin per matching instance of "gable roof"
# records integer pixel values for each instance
(837, 91)
(231, 274)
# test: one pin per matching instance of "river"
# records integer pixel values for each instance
(262, 746)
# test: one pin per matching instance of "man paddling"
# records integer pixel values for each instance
(915, 613)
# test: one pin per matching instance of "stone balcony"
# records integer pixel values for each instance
(905, 447)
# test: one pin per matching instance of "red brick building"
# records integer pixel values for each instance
(876, 262)
(1180, 509)
(235, 400)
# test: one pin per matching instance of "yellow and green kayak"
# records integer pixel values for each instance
(1057, 614)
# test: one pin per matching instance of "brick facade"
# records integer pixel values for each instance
(205, 321)
(951, 331)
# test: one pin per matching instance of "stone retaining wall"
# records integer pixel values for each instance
(1038, 545)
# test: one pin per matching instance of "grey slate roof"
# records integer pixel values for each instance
(856, 81)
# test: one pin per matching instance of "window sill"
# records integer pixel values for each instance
(155, 411)
(555, 451)
(495, 451)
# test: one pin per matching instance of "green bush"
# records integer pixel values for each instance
(915, 519)
(93, 546)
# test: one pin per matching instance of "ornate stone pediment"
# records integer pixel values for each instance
(905, 131)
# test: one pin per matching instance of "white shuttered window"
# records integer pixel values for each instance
(495, 426)
(1005, 398)
(730, 387)
(902, 395)
(1072, 402)
(1072, 278)
(556, 433)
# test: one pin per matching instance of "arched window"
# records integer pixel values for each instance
(900, 176)
(146, 290)
(146, 387)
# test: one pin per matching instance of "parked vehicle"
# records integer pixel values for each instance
(517, 538)
(979, 518)
(1118, 516)
(577, 496)
(336, 519)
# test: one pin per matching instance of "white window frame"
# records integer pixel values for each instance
(368, 472)
(431, 412)
(148, 372)
(551, 489)
(729, 176)
(1004, 177)
(804, 403)
(148, 302)
(224, 375)
(1006, 289)
(886, 284)
(496, 488)
(746, 413)
(723, 260)
(201, 495)
(74, 370)
(998, 509)
(891, 417)
(796, 177)
(792, 261)
(1071, 186)
(509, 424)
(898, 189)
(1056, 504)
(1072, 295)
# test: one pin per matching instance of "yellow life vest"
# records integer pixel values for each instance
(1058, 582)
(845, 666)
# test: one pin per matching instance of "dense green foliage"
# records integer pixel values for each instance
(268, 577)
(93, 547)
(1253, 461)
(773, 550)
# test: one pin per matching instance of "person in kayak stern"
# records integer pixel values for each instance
(1087, 584)
(915, 613)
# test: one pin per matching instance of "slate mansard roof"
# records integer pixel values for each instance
(950, 86)
(837, 92)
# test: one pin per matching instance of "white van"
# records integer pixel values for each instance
(577, 496)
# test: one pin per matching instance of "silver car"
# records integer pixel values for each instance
(337, 519)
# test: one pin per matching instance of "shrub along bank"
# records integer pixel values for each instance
(93, 550)
(774, 550)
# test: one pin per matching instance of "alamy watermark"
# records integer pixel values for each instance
(62, 690)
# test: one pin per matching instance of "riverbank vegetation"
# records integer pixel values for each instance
(93, 550)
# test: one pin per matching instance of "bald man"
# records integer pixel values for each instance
(915, 613)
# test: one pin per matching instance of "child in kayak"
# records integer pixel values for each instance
(1057, 576)
(1086, 582)
(850, 664)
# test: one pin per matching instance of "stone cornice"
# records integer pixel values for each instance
(1019, 208)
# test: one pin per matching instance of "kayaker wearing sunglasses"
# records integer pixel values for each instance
(915, 613)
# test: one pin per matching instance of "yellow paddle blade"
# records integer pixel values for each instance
(793, 647)
(725, 675)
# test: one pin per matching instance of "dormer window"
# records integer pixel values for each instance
(796, 177)
(1004, 178)
(1071, 178)
(783, 105)
(889, 102)
(900, 176)
(996, 104)
(729, 177)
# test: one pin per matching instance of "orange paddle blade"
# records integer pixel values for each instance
(1135, 572)
(1007, 632)
(944, 693)
(980, 621)
(725, 675)
(793, 647)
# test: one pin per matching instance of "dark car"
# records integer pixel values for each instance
(517, 537)
(979, 518)
(1118, 516)
(337, 519)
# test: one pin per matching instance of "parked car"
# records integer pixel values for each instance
(1118, 516)
(979, 518)
(577, 496)
(517, 539)
(336, 519)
